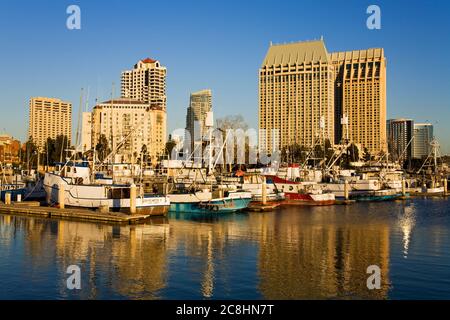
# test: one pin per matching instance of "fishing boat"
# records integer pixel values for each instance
(82, 192)
(379, 195)
(304, 193)
(16, 191)
(252, 182)
(203, 202)
(10, 183)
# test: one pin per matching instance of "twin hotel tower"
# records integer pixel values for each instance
(306, 95)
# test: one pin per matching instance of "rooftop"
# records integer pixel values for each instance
(296, 52)
(118, 101)
(148, 60)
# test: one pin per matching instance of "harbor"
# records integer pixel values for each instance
(219, 153)
(80, 189)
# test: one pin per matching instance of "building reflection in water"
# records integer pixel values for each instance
(315, 254)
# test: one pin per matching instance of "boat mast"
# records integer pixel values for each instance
(78, 135)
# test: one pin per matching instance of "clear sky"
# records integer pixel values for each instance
(214, 44)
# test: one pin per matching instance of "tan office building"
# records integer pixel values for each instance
(49, 118)
(361, 96)
(130, 124)
(304, 91)
(146, 83)
(296, 96)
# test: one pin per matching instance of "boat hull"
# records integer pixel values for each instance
(214, 206)
(309, 199)
(14, 193)
(95, 196)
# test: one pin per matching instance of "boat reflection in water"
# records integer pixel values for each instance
(312, 253)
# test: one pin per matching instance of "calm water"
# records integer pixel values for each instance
(294, 253)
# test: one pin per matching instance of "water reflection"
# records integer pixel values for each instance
(295, 253)
(407, 221)
(319, 257)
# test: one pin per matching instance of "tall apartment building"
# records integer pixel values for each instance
(131, 123)
(200, 103)
(304, 91)
(146, 82)
(49, 118)
(423, 135)
(399, 137)
(296, 95)
(360, 94)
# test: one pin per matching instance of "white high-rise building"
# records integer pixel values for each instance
(199, 105)
(146, 82)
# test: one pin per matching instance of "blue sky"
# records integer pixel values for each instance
(214, 44)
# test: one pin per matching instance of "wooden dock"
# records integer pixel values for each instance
(35, 210)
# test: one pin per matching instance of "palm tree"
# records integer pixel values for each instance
(102, 147)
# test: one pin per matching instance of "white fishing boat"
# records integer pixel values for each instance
(81, 191)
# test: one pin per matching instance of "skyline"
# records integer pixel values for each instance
(216, 46)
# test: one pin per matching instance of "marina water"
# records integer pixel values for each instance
(293, 253)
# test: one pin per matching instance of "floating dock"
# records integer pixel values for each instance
(34, 209)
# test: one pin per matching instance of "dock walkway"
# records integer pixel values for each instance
(34, 209)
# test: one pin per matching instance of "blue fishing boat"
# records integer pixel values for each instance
(202, 202)
(379, 195)
(14, 190)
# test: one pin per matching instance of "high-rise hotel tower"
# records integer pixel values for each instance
(304, 92)
(360, 95)
(296, 96)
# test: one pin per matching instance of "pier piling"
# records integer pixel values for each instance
(8, 198)
(133, 199)
(346, 191)
(264, 191)
(61, 196)
(403, 187)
